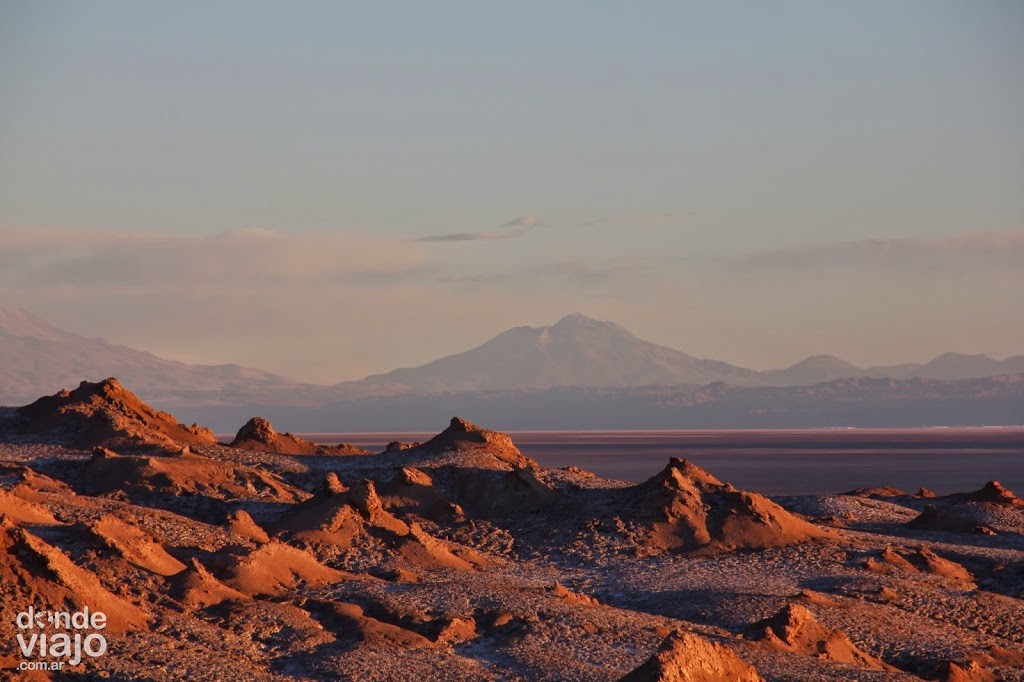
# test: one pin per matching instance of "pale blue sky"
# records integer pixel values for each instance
(658, 143)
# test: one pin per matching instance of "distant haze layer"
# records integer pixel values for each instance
(576, 373)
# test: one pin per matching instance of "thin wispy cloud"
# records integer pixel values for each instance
(525, 221)
(994, 250)
(54, 257)
(471, 236)
(519, 227)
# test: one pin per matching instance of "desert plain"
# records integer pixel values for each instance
(271, 557)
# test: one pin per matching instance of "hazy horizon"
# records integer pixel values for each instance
(37, 327)
(333, 191)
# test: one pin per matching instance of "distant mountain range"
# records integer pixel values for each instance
(37, 358)
(946, 367)
(577, 369)
(580, 352)
(866, 403)
(575, 351)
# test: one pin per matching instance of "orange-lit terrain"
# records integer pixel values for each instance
(461, 558)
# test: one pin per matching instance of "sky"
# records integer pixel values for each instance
(332, 189)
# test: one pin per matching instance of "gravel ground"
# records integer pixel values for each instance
(564, 594)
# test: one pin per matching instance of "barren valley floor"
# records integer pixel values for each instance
(462, 558)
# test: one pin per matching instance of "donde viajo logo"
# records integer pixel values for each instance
(54, 640)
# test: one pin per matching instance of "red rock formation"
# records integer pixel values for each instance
(134, 545)
(685, 508)
(257, 434)
(274, 568)
(184, 473)
(795, 628)
(994, 491)
(685, 657)
(33, 572)
(242, 525)
(462, 435)
(196, 588)
(107, 414)
(20, 510)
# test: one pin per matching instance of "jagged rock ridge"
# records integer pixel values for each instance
(107, 414)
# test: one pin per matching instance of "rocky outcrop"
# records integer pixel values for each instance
(468, 471)
(412, 491)
(948, 519)
(687, 509)
(876, 493)
(133, 545)
(197, 588)
(990, 510)
(241, 524)
(795, 629)
(182, 474)
(349, 621)
(336, 515)
(274, 568)
(502, 494)
(928, 561)
(34, 572)
(969, 671)
(107, 414)
(397, 445)
(464, 437)
(570, 597)
(995, 492)
(685, 657)
(887, 561)
(921, 560)
(21, 511)
(257, 434)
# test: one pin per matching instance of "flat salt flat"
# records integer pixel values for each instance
(777, 462)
